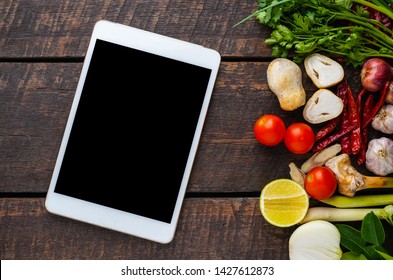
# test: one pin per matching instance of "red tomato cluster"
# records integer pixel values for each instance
(270, 130)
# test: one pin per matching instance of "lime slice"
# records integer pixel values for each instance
(283, 203)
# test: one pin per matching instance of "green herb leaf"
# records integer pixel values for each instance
(351, 238)
(371, 252)
(385, 256)
(332, 26)
(353, 256)
(372, 230)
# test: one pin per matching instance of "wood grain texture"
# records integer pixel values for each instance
(42, 46)
(209, 228)
(35, 102)
(63, 28)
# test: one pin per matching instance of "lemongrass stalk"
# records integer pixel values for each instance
(347, 214)
(337, 214)
(341, 201)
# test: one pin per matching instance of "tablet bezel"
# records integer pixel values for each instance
(104, 216)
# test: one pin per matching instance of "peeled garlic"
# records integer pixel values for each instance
(315, 240)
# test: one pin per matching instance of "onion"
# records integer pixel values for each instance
(375, 73)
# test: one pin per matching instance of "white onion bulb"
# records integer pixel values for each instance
(315, 240)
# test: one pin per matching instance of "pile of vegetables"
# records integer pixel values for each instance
(329, 169)
(359, 33)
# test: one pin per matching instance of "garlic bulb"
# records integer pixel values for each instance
(315, 240)
(379, 156)
(383, 120)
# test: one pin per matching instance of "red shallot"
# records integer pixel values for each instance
(375, 73)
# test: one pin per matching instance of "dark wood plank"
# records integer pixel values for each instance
(62, 29)
(209, 228)
(35, 103)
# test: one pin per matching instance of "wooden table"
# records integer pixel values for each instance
(42, 46)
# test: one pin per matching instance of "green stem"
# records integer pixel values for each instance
(341, 201)
(260, 11)
(382, 8)
(370, 29)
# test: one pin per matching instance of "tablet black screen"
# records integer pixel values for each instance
(133, 130)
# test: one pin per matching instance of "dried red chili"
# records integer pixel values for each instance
(354, 119)
(377, 106)
(345, 141)
(368, 105)
(332, 138)
(331, 125)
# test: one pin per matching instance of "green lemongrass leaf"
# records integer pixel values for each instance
(353, 256)
(351, 238)
(372, 230)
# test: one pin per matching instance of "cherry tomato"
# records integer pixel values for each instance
(299, 138)
(320, 182)
(269, 130)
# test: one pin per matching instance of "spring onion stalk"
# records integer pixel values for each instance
(347, 214)
(341, 201)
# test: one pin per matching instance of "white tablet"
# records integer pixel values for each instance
(133, 131)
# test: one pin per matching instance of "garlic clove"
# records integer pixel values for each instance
(383, 120)
(322, 106)
(323, 71)
(315, 240)
(379, 156)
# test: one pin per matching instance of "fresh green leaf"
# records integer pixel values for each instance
(301, 21)
(385, 256)
(371, 252)
(372, 230)
(351, 238)
(353, 256)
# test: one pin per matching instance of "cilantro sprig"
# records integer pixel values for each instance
(337, 27)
